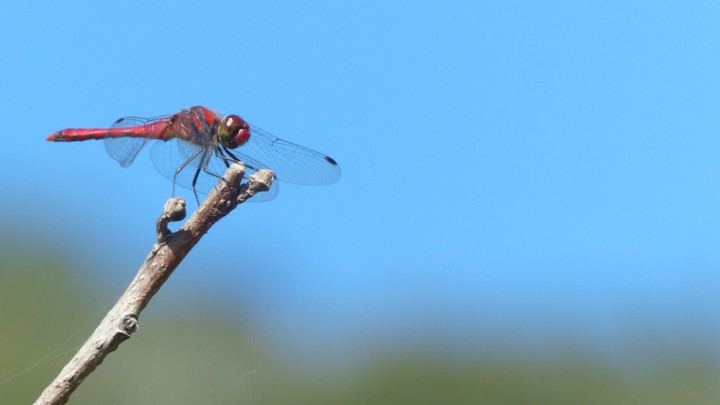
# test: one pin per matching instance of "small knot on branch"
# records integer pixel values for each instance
(173, 211)
(129, 324)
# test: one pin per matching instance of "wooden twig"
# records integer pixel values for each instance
(165, 256)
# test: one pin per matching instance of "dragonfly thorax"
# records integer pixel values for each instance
(233, 131)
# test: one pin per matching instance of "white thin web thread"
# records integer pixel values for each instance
(221, 385)
(56, 353)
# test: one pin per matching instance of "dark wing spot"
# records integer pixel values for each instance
(331, 160)
(119, 120)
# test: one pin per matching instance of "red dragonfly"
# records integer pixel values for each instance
(194, 147)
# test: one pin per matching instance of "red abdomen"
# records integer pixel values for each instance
(155, 130)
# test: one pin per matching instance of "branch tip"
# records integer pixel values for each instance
(257, 183)
(261, 181)
(173, 211)
(237, 167)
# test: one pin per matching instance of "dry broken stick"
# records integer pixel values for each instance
(166, 255)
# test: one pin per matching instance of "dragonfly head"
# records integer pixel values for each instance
(233, 131)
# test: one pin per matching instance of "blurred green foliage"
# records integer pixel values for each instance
(203, 360)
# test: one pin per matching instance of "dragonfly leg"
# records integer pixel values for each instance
(221, 156)
(194, 182)
(233, 158)
(203, 165)
(182, 166)
(204, 168)
(207, 161)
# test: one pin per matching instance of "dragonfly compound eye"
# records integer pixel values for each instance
(233, 131)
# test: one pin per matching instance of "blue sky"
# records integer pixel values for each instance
(512, 171)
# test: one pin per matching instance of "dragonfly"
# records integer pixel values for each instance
(195, 146)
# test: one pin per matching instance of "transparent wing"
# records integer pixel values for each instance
(201, 161)
(290, 162)
(124, 150)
